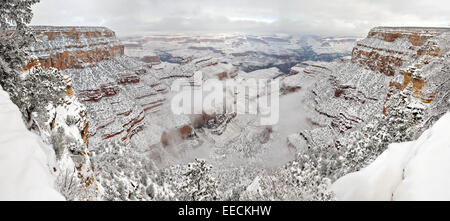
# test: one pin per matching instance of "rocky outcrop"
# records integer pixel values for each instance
(63, 124)
(122, 94)
(386, 49)
(152, 59)
(348, 93)
(86, 54)
(177, 135)
(74, 47)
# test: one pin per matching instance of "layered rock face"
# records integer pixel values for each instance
(125, 99)
(411, 61)
(77, 49)
(124, 96)
(74, 47)
(387, 49)
(118, 97)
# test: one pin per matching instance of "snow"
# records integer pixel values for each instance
(248, 52)
(417, 170)
(252, 190)
(25, 173)
(332, 45)
(269, 73)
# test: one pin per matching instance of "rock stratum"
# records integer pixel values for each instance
(386, 49)
(74, 47)
(347, 94)
(123, 95)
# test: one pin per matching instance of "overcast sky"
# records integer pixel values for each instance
(334, 17)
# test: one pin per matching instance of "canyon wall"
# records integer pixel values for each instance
(124, 96)
(387, 49)
(74, 47)
(412, 62)
(126, 102)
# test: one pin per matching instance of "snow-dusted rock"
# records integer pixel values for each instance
(330, 45)
(248, 52)
(386, 49)
(345, 93)
(74, 47)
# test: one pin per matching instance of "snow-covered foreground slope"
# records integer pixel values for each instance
(417, 170)
(24, 159)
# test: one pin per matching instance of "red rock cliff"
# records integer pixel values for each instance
(386, 49)
(74, 47)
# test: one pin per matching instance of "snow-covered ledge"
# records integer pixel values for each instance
(417, 170)
(25, 162)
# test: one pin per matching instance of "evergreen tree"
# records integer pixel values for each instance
(298, 180)
(396, 126)
(14, 37)
(198, 183)
(33, 90)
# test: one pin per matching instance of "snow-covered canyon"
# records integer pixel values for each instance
(115, 130)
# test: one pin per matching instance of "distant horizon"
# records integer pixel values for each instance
(293, 17)
(231, 33)
(165, 33)
(205, 33)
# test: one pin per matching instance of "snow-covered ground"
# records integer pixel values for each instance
(25, 162)
(417, 170)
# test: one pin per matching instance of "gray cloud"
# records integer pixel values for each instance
(334, 17)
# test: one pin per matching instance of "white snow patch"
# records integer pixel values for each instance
(417, 170)
(25, 171)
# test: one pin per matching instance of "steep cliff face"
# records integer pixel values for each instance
(63, 124)
(124, 96)
(126, 103)
(424, 79)
(412, 62)
(74, 47)
(416, 58)
(67, 125)
(386, 49)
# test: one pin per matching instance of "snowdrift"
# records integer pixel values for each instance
(25, 171)
(417, 170)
